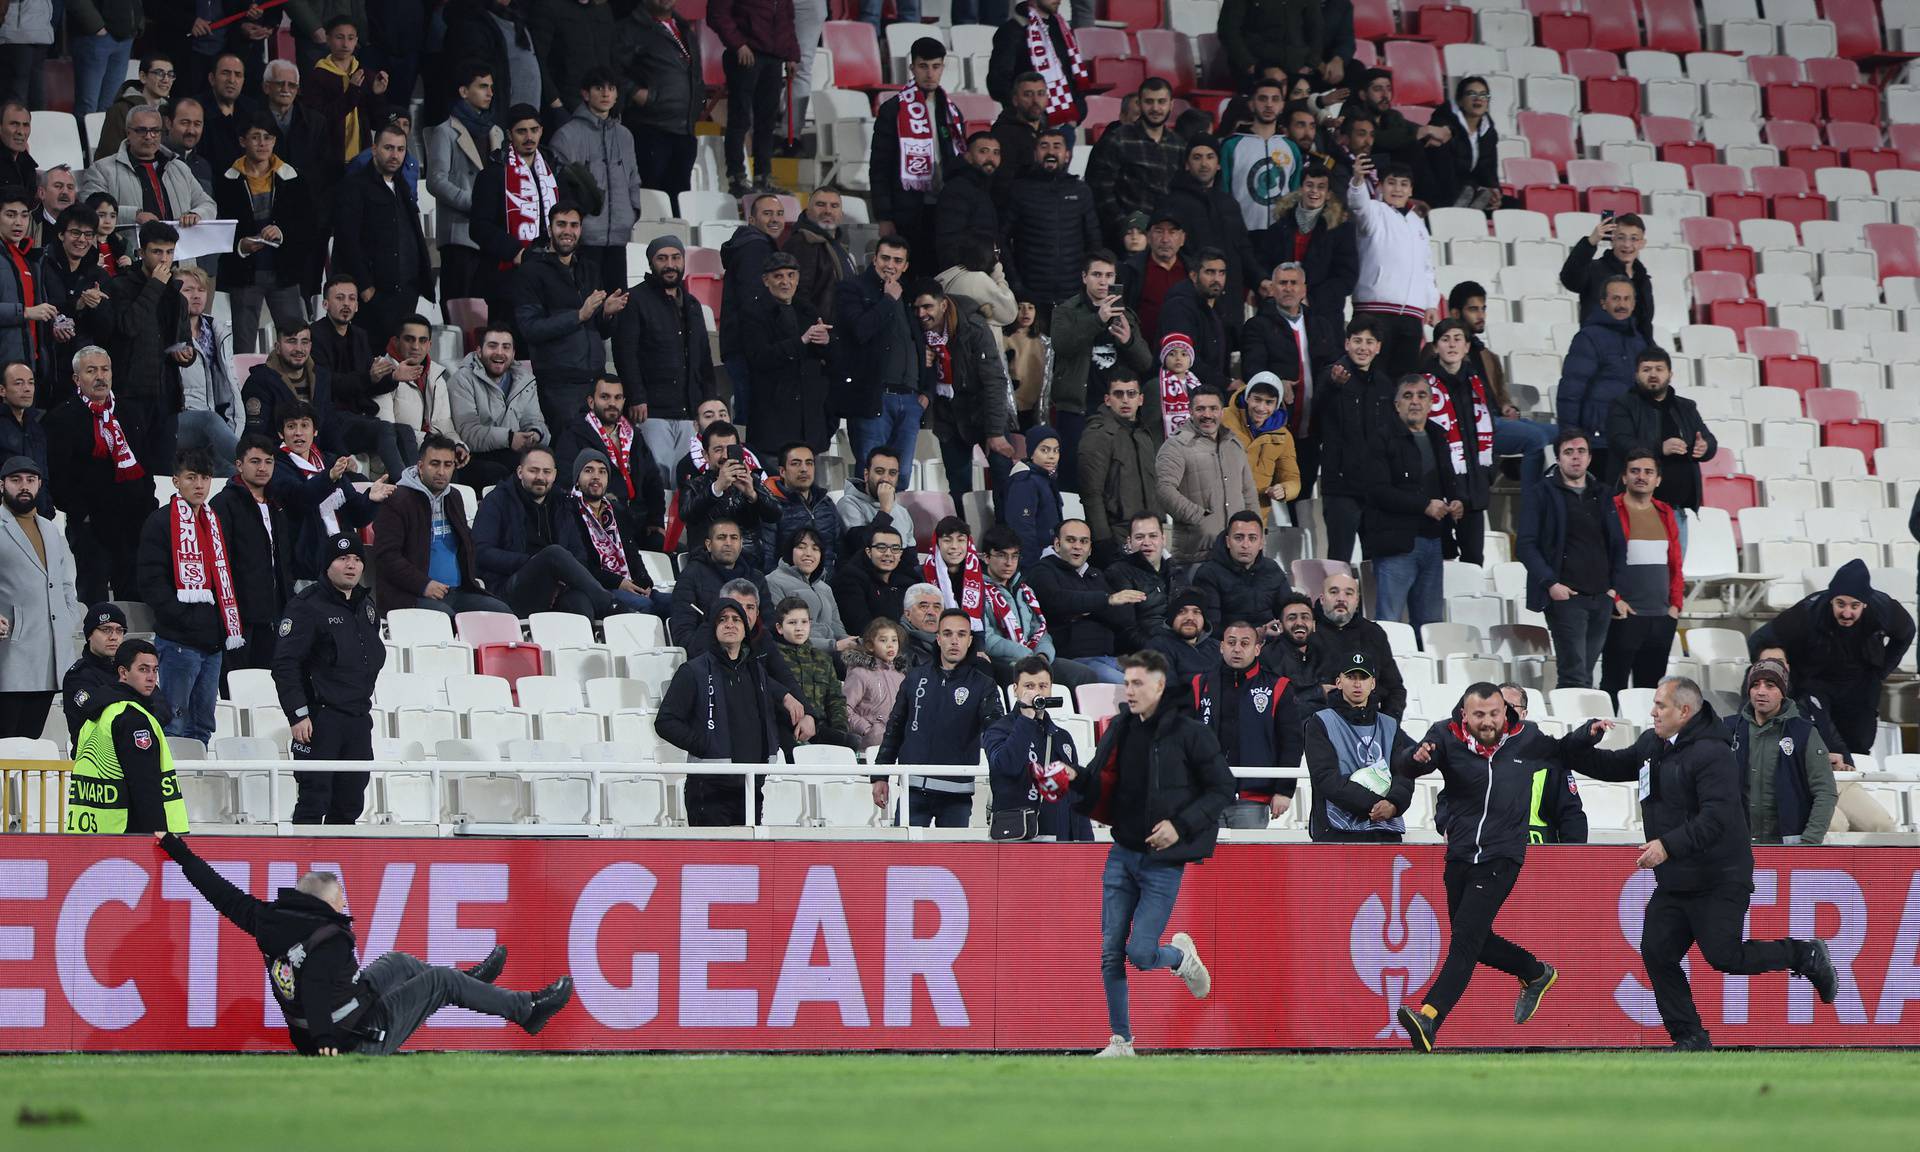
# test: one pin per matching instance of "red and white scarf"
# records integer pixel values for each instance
(942, 345)
(110, 443)
(1444, 415)
(603, 531)
(530, 193)
(1176, 389)
(312, 463)
(1002, 607)
(1061, 77)
(919, 145)
(618, 441)
(200, 568)
(24, 274)
(972, 598)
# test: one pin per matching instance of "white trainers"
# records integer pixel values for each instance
(1116, 1046)
(1198, 980)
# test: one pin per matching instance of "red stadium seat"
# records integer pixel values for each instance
(856, 55)
(1617, 95)
(1797, 210)
(1823, 405)
(1856, 25)
(1719, 465)
(1660, 131)
(1872, 160)
(1766, 70)
(1827, 71)
(707, 290)
(508, 661)
(1115, 74)
(1616, 26)
(1592, 64)
(1417, 77)
(1708, 232)
(1689, 154)
(1730, 493)
(978, 110)
(1671, 27)
(1792, 102)
(1372, 19)
(469, 314)
(1563, 31)
(1133, 13)
(1854, 103)
(1521, 171)
(1550, 7)
(690, 10)
(1847, 135)
(1096, 42)
(1905, 139)
(1168, 54)
(1616, 199)
(1738, 315)
(1738, 206)
(1709, 288)
(1764, 342)
(1800, 373)
(1736, 258)
(1550, 134)
(1443, 24)
(1863, 435)
(1784, 134)
(1811, 160)
(1551, 199)
(1714, 179)
(1770, 181)
(1897, 246)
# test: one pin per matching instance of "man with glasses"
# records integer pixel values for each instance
(873, 583)
(143, 185)
(154, 87)
(68, 276)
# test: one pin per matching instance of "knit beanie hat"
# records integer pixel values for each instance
(1852, 580)
(1774, 670)
(1174, 340)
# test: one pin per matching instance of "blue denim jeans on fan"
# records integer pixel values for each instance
(1523, 438)
(1411, 585)
(904, 12)
(1105, 669)
(204, 428)
(1137, 894)
(190, 681)
(99, 68)
(897, 426)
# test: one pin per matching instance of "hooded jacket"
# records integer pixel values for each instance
(402, 551)
(1202, 481)
(1833, 661)
(1332, 781)
(1250, 592)
(1690, 801)
(1270, 451)
(703, 704)
(871, 689)
(1186, 662)
(1118, 480)
(1597, 371)
(486, 414)
(1031, 504)
(1486, 802)
(1187, 780)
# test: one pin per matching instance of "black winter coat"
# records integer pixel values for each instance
(649, 498)
(301, 494)
(744, 255)
(1350, 412)
(789, 378)
(1076, 608)
(888, 200)
(1211, 219)
(472, 35)
(329, 654)
(1475, 485)
(863, 594)
(863, 343)
(82, 483)
(1332, 260)
(295, 212)
(1635, 419)
(28, 437)
(147, 317)
(547, 296)
(1335, 647)
(661, 351)
(1832, 661)
(968, 218)
(1692, 805)
(1487, 802)
(1187, 778)
(1010, 58)
(509, 527)
(371, 223)
(697, 591)
(1396, 500)
(1587, 275)
(1185, 312)
(266, 392)
(670, 70)
(1049, 227)
(699, 507)
(1267, 345)
(1244, 592)
(194, 625)
(1132, 572)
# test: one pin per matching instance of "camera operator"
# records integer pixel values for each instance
(1033, 761)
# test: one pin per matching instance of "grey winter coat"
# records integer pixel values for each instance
(486, 416)
(41, 606)
(454, 158)
(605, 147)
(119, 177)
(786, 580)
(1202, 481)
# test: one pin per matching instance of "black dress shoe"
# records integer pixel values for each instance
(488, 970)
(547, 1003)
(1698, 1042)
(1819, 971)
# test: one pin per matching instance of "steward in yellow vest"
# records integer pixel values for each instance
(123, 778)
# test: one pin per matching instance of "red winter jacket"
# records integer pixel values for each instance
(766, 26)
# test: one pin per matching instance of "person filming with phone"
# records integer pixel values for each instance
(1033, 761)
(1587, 275)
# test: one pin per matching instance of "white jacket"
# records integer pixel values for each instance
(1396, 257)
(421, 405)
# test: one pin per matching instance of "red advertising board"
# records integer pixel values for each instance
(738, 945)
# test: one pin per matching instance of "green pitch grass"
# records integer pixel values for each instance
(1538, 1102)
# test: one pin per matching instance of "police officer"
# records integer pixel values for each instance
(1556, 815)
(1258, 721)
(305, 938)
(328, 656)
(122, 779)
(93, 673)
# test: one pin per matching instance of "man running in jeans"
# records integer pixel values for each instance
(1486, 756)
(1160, 781)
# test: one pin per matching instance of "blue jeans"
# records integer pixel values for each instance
(656, 603)
(202, 428)
(742, 390)
(1411, 585)
(1524, 438)
(99, 68)
(1682, 519)
(897, 426)
(1105, 669)
(191, 680)
(1136, 901)
(905, 12)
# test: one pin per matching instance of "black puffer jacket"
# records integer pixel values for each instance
(743, 256)
(967, 216)
(1188, 782)
(1393, 478)
(661, 351)
(1132, 573)
(1693, 801)
(1249, 592)
(1211, 219)
(1349, 414)
(1050, 227)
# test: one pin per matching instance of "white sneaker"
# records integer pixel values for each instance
(1191, 970)
(1116, 1046)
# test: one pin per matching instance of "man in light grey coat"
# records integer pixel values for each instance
(38, 638)
(595, 139)
(1203, 478)
(457, 148)
(123, 176)
(495, 402)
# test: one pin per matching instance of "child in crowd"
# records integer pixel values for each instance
(813, 670)
(874, 675)
(1031, 505)
(113, 246)
(1177, 381)
(1260, 420)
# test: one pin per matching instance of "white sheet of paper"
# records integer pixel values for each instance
(207, 238)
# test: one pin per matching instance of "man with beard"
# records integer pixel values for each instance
(815, 241)
(1050, 226)
(873, 584)
(743, 259)
(99, 481)
(704, 573)
(377, 238)
(1190, 648)
(344, 350)
(662, 349)
(969, 215)
(1143, 567)
(1484, 756)
(1097, 344)
(607, 543)
(1652, 590)
(1133, 164)
(1261, 164)
(1255, 714)
(520, 538)
(37, 587)
(1842, 644)
(788, 355)
(1651, 414)
(496, 408)
(422, 547)
(602, 426)
(1023, 115)
(1396, 139)
(1290, 650)
(869, 502)
(562, 315)
(1343, 632)
(719, 708)
(1036, 40)
(1147, 277)
(1207, 213)
(1201, 310)
(730, 486)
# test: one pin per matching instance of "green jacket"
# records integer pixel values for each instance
(1763, 757)
(1077, 330)
(819, 687)
(123, 779)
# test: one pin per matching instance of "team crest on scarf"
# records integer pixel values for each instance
(1262, 697)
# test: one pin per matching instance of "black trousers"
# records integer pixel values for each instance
(611, 263)
(1636, 650)
(485, 469)
(1854, 709)
(1342, 514)
(410, 991)
(1400, 340)
(562, 395)
(1578, 628)
(1475, 893)
(721, 801)
(753, 103)
(102, 557)
(553, 578)
(394, 444)
(665, 160)
(1470, 536)
(257, 652)
(458, 268)
(24, 713)
(333, 797)
(929, 809)
(1715, 919)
